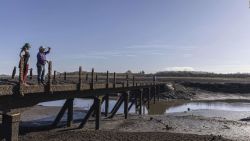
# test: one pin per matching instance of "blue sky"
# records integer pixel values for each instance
(117, 35)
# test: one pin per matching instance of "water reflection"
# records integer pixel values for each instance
(163, 107)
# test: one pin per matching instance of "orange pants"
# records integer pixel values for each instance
(25, 72)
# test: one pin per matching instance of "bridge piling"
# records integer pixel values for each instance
(70, 112)
(149, 97)
(140, 101)
(107, 96)
(126, 100)
(10, 123)
(97, 112)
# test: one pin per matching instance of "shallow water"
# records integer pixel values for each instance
(85, 104)
(225, 106)
(235, 110)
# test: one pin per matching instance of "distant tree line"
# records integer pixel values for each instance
(200, 74)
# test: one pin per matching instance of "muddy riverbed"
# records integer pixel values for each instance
(190, 114)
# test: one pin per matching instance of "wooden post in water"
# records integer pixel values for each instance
(13, 73)
(92, 79)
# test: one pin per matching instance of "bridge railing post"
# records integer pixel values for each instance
(31, 73)
(127, 79)
(54, 76)
(13, 73)
(114, 80)
(49, 83)
(92, 79)
(133, 81)
(80, 79)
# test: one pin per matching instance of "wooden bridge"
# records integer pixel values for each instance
(132, 91)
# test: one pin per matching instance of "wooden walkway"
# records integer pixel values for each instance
(15, 98)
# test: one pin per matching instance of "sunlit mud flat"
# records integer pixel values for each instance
(196, 112)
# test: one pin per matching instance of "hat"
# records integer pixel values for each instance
(41, 48)
(26, 45)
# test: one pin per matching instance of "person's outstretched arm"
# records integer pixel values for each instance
(47, 52)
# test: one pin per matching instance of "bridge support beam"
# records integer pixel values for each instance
(95, 108)
(10, 126)
(68, 105)
(117, 106)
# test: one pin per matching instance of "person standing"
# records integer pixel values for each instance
(24, 53)
(41, 61)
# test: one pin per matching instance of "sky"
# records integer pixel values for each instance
(121, 35)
